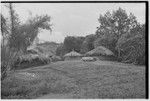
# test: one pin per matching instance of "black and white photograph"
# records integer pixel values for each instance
(74, 50)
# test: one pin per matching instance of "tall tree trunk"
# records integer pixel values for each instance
(11, 18)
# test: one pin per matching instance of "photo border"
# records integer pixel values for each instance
(146, 29)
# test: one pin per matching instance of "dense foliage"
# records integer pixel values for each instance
(122, 34)
(16, 37)
(26, 33)
(88, 44)
(60, 51)
(73, 43)
(131, 46)
(70, 43)
(118, 31)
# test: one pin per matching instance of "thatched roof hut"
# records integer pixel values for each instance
(100, 51)
(73, 55)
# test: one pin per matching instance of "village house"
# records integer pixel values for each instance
(73, 55)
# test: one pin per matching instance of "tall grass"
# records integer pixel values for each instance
(14, 87)
(30, 60)
(8, 57)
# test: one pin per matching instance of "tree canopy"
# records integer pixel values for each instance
(73, 43)
(88, 43)
(117, 31)
(122, 34)
(16, 37)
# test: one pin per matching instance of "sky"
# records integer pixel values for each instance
(70, 19)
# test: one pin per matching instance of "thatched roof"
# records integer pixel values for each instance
(100, 51)
(72, 53)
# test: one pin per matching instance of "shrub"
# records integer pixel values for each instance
(56, 58)
(8, 57)
(29, 60)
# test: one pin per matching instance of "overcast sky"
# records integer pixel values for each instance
(73, 19)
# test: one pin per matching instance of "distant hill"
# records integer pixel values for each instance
(48, 47)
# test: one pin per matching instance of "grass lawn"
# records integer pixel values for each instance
(76, 79)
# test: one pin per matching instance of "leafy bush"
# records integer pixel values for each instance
(122, 34)
(131, 46)
(16, 37)
(56, 58)
(8, 58)
(88, 43)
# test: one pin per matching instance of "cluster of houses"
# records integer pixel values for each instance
(100, 53)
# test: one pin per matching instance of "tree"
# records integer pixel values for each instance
(4, 29)
(132, 46)
(60, 51)
(3, 48)
(88, 43)
(117, 23)
(106, 41)
(8, 55)
(79, 41)
(27, 33)
(73, 43)
(69, 43)
(19, 37)
(113, 26)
